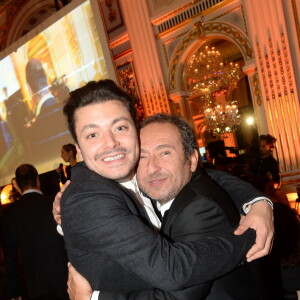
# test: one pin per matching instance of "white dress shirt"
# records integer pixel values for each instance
(132, 185)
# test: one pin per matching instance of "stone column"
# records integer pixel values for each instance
(279, 92)
(146, 57)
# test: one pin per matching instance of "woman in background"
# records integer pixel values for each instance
(14, 194)
(68, 154)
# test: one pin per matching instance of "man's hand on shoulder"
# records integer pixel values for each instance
(78, 286)
(56, 203)
(261, 219)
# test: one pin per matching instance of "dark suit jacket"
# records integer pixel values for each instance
(10, 253)
(109, 241)
(42, 250)
(202, 209)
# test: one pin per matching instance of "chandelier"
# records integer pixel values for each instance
(221, 119)
(208, 75)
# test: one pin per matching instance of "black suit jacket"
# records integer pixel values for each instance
(203, 209)
(10, 253)
(109, 241)
(42, 250)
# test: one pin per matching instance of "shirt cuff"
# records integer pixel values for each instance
(247, 206)
(95, 295)
(59, 230)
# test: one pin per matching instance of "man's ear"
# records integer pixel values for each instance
(194, 160)
(79, 155)
(38, 182)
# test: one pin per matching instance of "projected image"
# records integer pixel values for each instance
(35, 80)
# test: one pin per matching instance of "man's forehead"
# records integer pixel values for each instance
(95, 109)
(163, 126)
(166, 135)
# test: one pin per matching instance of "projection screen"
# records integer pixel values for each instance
(62, 54)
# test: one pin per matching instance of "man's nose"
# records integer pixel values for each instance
(153, 165)
(110, 141)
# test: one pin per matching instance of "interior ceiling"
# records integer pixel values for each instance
(9, 10)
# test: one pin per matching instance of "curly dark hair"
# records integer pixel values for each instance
(269, 139)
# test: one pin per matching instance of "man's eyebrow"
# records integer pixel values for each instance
(92, 125)
(89, 126)
(121, 119)
(162, 146)
(159, 147)
(142, 150)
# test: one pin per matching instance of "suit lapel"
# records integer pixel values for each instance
(131, 194)
(179, 202)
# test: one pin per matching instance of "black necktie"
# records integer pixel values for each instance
(157, 212)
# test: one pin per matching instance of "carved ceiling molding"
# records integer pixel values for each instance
(8, 13)
(17, 17)
(210, 29)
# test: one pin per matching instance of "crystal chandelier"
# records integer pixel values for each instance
(221, 119)
(209, 75)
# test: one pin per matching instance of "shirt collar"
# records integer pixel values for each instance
(164, 207)
(32, 191)
(130, 184)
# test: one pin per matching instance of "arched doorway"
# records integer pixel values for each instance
(235, 47)
(196, 74)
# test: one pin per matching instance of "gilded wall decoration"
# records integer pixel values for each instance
(256, 89)
(155, 101)
(262, 72)
(274, 68)
(234, 20)
(128, 83)
(112, 14)
(287, 63)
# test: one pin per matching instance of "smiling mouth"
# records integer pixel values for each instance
(112, 158)
(155, 182)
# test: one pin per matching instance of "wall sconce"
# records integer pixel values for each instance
(5, 194)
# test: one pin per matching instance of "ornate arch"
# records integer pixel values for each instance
(198, 35)
(28, 17)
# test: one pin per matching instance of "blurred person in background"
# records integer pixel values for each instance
(68, 154)
(14, 194)
(265, 165)
(39, 88)
(31, 231)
